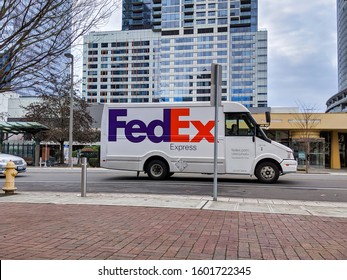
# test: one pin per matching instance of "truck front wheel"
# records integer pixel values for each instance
(157, 170)
(267, 172)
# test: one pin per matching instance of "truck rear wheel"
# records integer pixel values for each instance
(157, 170)
(267, 172)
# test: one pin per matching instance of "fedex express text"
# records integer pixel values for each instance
(136, 131)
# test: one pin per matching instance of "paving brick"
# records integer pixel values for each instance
(49, 231)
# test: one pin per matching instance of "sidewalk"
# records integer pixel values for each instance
(312, 170)
(311, 208)
(126, 226)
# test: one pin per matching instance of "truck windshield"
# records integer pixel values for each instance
(243, 124)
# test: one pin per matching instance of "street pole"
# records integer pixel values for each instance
(70, 163)
(216, 83)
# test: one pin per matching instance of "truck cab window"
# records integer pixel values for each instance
(238, 124)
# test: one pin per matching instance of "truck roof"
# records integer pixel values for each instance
(228, 106)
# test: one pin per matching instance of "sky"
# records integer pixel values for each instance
(302, 51)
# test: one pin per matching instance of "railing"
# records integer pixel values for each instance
(24, 150)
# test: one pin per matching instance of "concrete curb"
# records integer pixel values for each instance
(296, 207)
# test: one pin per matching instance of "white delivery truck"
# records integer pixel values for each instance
(161, 139)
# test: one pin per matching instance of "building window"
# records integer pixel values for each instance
(92, 45)
(205, 30)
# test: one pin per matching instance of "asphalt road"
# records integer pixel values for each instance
(313, 187)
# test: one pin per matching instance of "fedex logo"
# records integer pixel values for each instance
(136, 130)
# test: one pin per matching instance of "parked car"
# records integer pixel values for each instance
(20, 163)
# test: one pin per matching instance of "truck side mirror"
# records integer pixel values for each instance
(268, 117)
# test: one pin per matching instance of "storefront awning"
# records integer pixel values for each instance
(22, 127)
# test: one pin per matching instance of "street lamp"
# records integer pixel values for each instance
(69, 55)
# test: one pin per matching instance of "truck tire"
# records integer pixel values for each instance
(157, 170)
(267, 172)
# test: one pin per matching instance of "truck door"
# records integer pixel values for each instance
(240, 143)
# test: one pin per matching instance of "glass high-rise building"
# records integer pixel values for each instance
(342, 43)
(137, 14)
(165, 51)
(338, 102)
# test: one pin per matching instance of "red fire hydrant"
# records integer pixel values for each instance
(10, 173)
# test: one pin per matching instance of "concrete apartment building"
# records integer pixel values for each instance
(165, 51)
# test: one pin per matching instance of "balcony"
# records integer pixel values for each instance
(188, 10)
(136, 22)
(156, 14)
(156, 7)
(137, 15)
(156, 28)
(137, 8)
(188, 17)
(245, 8)
(156, 20)
(188, 24)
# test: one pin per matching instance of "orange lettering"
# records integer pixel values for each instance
(176, 124)
(204, 131)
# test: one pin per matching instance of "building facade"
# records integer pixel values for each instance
(165, 51)
(121, 67)
(338, 102)
(326, 135)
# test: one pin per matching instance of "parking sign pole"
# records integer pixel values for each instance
(216, 81)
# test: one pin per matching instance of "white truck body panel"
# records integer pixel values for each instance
(183, 135)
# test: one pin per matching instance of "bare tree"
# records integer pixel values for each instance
(53, 111)
(306, 120)
(33, 34)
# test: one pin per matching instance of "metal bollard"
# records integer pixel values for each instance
(84, 178)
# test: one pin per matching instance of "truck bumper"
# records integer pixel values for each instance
(289, 166)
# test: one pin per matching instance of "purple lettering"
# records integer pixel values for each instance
(165, 125)
(135, 126)
(114, 124)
